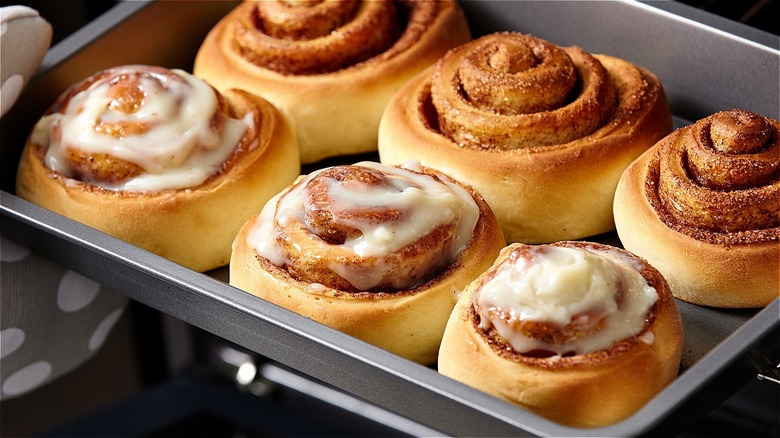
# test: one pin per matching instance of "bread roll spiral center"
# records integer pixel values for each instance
(335, 221)
(309, 38)
(739, 132)
(139, 128)
(511, 91)
(319, 37)
(513, 78)
(367, 227)
(722, 174)
(303, 19)
(563, 300)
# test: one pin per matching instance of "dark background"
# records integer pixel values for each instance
(132, 371)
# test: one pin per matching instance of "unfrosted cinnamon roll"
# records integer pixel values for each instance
(329, 65)
(581, 333)
(542, 132)
(703, 206)
(378, 252)
(158, 158)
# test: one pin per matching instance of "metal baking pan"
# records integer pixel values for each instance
(705, 63)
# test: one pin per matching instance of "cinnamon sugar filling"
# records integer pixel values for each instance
(718, 180)
(323, 36)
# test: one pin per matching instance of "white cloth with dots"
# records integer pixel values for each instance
(25, 38)
(51, 319)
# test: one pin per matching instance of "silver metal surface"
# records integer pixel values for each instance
(703, 68)
(772, 374)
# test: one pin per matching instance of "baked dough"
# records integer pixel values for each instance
(158, 158)
(330, 66)
(580, 333)
(703, 207)
(377, 252)
(542, 132)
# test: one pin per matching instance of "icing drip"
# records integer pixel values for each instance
(390, 227)
(165, 124)
(564, 300)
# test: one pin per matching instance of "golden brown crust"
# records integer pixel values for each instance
(588, 390)
(719, 246)
(194, 226)
(546, 184)
(408, 322)
(335, 109)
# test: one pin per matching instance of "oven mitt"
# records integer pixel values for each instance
(51, 319)
(25, 38)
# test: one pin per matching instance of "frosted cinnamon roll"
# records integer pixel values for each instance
(330, 66)
(703, 206)
(378, 252)
(542, 132)
(580, 333)
(160, 159)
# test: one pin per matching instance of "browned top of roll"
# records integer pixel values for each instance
(313, 37)
(718, 180)
(510, 91)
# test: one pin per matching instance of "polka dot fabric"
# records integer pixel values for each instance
(51, 319)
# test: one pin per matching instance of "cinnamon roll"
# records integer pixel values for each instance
(329, 65)
(542, 132)
(581, 333)
(703, 206)
(160, 159)
(377, 252)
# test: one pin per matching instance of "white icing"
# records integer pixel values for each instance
(180, 149)
(426, 201)
(648, 337)
(559, 284)
(261, 234)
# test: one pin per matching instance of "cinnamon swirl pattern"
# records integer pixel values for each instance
(566, 330)
(330, 66)
(703, 206)
(377, 252)
(158, 158)
(541, 131)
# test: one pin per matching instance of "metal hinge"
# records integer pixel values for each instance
(771, 374)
